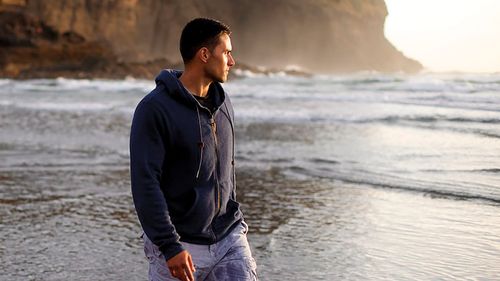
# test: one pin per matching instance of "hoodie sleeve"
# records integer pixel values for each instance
(147, 155)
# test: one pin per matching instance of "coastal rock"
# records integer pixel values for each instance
(93, 38)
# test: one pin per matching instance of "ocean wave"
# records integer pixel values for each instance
(323, 113)
(78, 85)
(432, 189)
(488, 170)
(451, 124)
(65, 106)
(5, 103)
(247, 73)
(429, 119)
(4, 82)
(387, 83)
(433, 192)
(321, 169)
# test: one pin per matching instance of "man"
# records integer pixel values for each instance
(182, 166)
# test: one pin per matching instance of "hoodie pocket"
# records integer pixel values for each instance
(200, 213)
(233, 214)
(191, 208)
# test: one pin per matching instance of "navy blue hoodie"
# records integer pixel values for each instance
(182, 166)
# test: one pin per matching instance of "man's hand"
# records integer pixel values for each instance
(181, 266)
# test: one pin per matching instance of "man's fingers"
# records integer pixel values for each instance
(181, 266)
(191, 264)
(189, 273)
(183, 274)
(178, 273)
(173, 271)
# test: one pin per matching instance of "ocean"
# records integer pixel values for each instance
(364, 176)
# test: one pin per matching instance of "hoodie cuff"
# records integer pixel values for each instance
(171, 250)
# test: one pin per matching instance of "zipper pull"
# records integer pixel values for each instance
(213, 125)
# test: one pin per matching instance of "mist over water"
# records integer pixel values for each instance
(364, 176)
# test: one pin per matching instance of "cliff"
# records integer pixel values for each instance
(114, 38)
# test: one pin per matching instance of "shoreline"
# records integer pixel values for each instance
(114, 70)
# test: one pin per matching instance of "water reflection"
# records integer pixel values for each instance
(269, 199)
(80, 224)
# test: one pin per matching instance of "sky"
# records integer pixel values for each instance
(447, 35)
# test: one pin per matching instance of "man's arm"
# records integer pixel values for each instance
(147, 155)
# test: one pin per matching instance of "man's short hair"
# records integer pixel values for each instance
(199, 33)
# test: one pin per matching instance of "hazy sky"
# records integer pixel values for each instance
(447, 35)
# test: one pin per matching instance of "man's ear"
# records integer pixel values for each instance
(204, 54)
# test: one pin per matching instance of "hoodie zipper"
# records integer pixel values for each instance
(213, 126)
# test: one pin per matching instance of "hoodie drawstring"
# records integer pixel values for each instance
(234, 140)
(200, 143)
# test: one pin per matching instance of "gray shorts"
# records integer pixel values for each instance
(229, 259)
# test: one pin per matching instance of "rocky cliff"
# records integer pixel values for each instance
(119, 37)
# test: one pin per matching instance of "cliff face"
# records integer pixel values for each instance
(317, 35)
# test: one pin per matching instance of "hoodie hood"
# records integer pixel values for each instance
(169, 79)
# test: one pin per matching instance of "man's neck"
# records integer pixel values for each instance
(195, 83)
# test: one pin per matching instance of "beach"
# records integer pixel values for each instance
(364, 176)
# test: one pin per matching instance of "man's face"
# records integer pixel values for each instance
(220, 60)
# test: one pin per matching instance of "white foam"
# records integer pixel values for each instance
(246, 73)
(439, 90)
(5, 103)
(82, 85)
(65, 106)
(294, 67)
(5, 82)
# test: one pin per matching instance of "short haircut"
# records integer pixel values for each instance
(199, 33)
